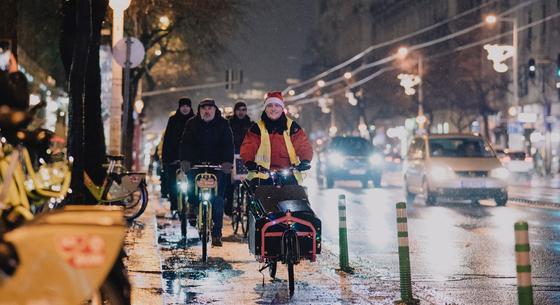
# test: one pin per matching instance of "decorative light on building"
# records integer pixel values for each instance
(408, 81)
(348, 75)
(333, 130)
(512, 111)
(498, 54)
(351, 98)
(157, 52)
(291, 92)
(139, 106)
(321, 83)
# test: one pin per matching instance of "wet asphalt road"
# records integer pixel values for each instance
(460, 254)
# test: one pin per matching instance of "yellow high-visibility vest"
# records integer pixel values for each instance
(262, 157)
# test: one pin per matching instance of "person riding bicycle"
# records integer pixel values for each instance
(170, 150)
(275, 142)
(207, 139)
(240, 124)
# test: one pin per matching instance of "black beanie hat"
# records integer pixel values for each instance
(239, 105)
(207, 102)
(185, 101)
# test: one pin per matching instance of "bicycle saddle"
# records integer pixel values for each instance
(115, 157)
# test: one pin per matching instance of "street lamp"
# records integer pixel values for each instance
(118, 6)
(493, 19)
(412, 80)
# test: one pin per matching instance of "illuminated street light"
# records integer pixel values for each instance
(348, 75)
(115, 123)
(402, 52)
(491, 19)
(164, 22)
(119, 5)
(512, 111)
(321, 83)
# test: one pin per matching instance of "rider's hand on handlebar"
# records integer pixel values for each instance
(226, 167)
(185, 166)
(254, 167)
(303, 165)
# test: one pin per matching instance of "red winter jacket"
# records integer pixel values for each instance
(279, 153)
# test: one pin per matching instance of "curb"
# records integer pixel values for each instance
(144, 262)
(547, 204)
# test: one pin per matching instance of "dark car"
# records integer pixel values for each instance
(351, 158)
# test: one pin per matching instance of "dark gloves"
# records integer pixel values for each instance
(185, 166)
(251, 165)
(226, 167)
(304, 165)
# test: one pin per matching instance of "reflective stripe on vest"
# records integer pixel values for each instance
(262, 157)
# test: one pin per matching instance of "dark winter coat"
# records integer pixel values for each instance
(239, 129)
(172, 136)
(210, 142)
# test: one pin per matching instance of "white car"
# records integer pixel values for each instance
(454, 166)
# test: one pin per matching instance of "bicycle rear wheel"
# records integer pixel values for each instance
(204, 233)
(136, 203)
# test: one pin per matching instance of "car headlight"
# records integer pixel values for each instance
(441, 173)
(336, 159)
(500, 173)
(376, 160)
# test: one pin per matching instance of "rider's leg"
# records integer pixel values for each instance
(172, 180)
(218, 206)
(230, 187)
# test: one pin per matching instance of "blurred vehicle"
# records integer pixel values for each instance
(518, 162)
(393, 162)
(456, 166)
(351, 158)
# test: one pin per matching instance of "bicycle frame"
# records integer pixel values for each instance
(110, 191)
(205, 189)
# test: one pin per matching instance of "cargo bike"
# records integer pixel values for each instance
(282, 227)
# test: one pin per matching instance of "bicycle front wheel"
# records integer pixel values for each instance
(204, 235)
(135, 204)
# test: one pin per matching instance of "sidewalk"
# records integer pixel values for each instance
(143, 260)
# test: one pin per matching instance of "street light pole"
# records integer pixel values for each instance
(420, 97)
(118, 6)
(515, 62)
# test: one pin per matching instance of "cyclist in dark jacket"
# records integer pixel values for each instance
(170, 149)
(240, 124)
(208, 139)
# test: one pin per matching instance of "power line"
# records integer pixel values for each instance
(412, 48)
(457, 49)
(386, 43)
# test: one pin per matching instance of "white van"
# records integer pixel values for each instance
(454, 166)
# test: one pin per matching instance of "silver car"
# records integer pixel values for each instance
(454, 166)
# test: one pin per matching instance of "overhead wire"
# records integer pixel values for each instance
(427, 58)
(387, 43)
(412, 48)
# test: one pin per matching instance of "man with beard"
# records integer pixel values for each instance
(170, 149)
(275, 142)
(208, 140)
(240, 124)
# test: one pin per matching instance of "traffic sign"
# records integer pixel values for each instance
(137, 52)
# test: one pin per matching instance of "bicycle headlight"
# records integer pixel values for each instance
(206, 196)
(183, 186)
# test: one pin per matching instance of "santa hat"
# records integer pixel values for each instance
(274, 97)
